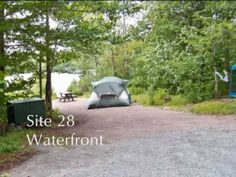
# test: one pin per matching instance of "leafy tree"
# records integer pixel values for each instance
(185, 43)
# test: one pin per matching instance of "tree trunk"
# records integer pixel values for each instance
(227, 68)
(2, 57)
(113, 62)
(215, 69)
(216, 85)
(2, 44)
(40, 77)
(3, 125)
(126, 62)
(48, 89)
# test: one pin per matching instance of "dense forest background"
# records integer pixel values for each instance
(173, 49)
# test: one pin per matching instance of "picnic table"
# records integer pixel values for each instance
(66, 96)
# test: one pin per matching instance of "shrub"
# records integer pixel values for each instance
(74, 88)
(136, 90)
(142, 99)
(54, 114)
(20, 87)
(157, 98)
(198, 92)
(179, 100)
(86, 94)
(85, 84)
(13, 141)
(68, 67)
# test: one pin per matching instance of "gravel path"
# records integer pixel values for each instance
(140, 142)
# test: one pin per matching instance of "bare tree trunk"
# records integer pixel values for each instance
(3, 126)
(40, 76)
(227, 68)
(216, 80)
(2, 55)
(216, 84)
(126, 62)
(48, 89)
(113, 62)
(2, 44)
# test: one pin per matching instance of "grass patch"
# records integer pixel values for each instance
(217, 107)
(181, 103)
(14, 148)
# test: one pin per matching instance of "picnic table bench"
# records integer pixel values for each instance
(67, 96)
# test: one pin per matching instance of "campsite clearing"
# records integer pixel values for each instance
(139, 141)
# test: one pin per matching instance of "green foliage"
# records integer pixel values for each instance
(2, 86)
(215, 107)
(141, 99)
(35, 88)
(152, 97)
(74, 87)
(161, 98)
(3, 115)
(20, 88)
(178, 100)
(85, 83)
(3, 119)
(14, 141)
(184, 44)
(136, 90)
(67, 67)
(86, 94)
(54, 114)
(198, 92)
(156, 97)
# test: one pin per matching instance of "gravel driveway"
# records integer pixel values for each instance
(140, 142)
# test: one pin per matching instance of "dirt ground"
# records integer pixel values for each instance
(139, 141)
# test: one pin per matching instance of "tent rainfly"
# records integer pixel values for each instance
(109, 92)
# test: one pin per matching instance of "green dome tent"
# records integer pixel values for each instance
(109, 92)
